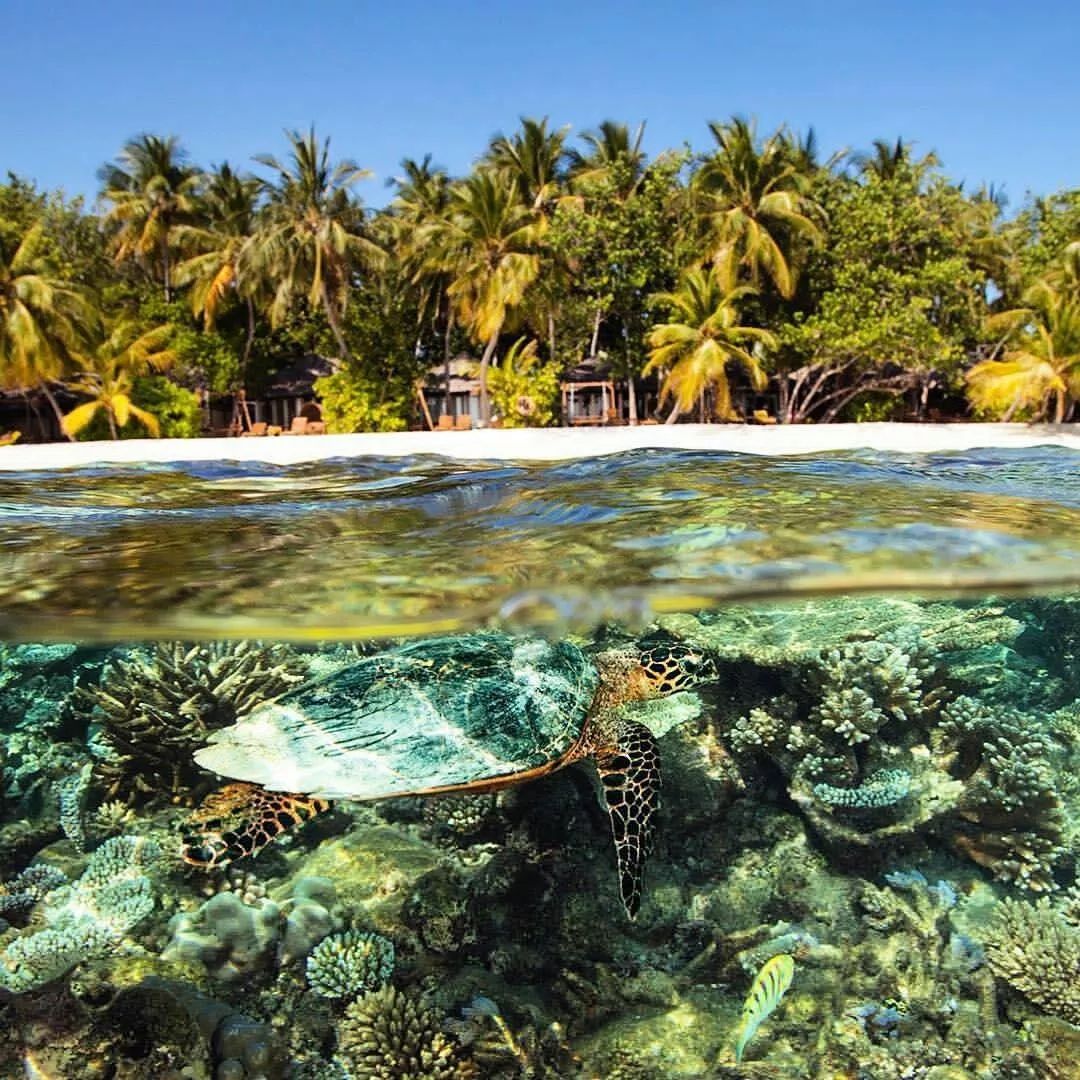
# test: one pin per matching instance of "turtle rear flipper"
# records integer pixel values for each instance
(240, 820)
(629, 769)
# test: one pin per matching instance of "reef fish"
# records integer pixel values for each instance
(768, 988)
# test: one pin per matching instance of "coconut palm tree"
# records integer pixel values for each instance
(152, 189)
(754, 204)
(422, 200)
(1039, 373)
(44, 320)
(533, 157)
(488, 242)
(609, 144)
(108, 376)
(312, 239)
(705, 336)
(888, 160)
(221, 267)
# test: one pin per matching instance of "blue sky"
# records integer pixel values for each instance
(993, 87)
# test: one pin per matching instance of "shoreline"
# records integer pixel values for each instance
(548, 444)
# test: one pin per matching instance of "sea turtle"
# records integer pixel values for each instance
(473, 712)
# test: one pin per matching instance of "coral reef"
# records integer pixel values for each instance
(156, 706)
(391, 1035)
(87, 918)
(1036, 951)
(348, 964)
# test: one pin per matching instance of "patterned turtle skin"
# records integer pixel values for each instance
(474, 712)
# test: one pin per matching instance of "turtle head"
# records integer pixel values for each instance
(675, 667)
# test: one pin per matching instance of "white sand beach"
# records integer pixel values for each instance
(549, 444)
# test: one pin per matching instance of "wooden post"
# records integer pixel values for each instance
(423, 406)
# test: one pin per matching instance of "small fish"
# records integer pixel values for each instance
(768, 988)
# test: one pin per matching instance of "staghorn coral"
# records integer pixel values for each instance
(391, 1035)
(26, 889)
(1034, 949)
(1011, 818)
(348, 964)
(86, 919)
(156, 706)
(111, 818)
(71, 792)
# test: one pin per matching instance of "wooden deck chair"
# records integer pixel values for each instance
(298, 426)
(445, 422)
(463, 422)
(316, 427)
(256, 429)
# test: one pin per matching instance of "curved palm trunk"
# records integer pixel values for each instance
(56, 409)
(446, 358)
(485, 364)
(674, 414)
(248, 342)
(335, 326)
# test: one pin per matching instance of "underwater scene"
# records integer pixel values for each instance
(660, 765)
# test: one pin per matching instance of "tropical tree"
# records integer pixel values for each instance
(108, 376)
(887, 161)
(523, 389)
(152, 190)
(610, 145)
(754, 205)
(695, 349)
(44, 320)
(489, 244)
(312, 240)
(1038, 377)
(422, 202)
(533, 158)
(222, 268)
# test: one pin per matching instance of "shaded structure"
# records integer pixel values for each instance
(589, 394)
(287, 397)
(454, 402)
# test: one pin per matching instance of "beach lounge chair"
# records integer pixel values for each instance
(256, 429)
(445, 423)
(463, 423)
(299, 426)
(316, 427)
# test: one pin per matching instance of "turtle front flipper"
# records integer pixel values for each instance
(629, 769)
(240, 820)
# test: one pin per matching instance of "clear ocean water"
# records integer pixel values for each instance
(801, 736)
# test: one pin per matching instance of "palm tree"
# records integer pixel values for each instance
(609, 144)
(108, 377)
(152, 190)
(43, 319)
(312, 239)
(488, 243)
(221, 267)
(754, 204)
(1042, 369)
(422, 200)
(533, 157)
(888, 160)
(695, 350)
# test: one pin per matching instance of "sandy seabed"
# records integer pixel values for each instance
(550, 444)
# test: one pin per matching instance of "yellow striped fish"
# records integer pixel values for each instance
(768, 988)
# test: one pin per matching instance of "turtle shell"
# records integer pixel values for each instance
(444, 712)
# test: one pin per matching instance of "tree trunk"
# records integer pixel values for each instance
(165, 269)
(112, 423)
(446, 359)
(595, 334)
(631, 401)
(551, 336)
(782, 398)
(246, 357)
(56, 409)
(674, 414)
(485, 363)
(1059, 409)
(335, 327)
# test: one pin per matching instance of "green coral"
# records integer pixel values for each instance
(348, 964)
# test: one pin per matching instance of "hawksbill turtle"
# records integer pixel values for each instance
(474, 712)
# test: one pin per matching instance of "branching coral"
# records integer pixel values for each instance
(1034, 949)
(390, 1035)
(86, 919)
(348, 964)
(156, 707)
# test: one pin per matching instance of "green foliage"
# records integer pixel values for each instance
(524, 392)
(1043, 230)
(176, 410)
(897, 282)
(356, 401)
